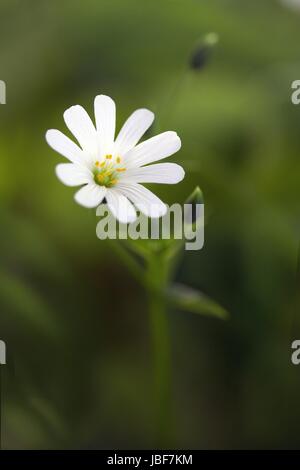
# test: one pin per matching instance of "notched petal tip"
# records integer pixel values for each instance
(147, 111)
(103, 98)
(176, 142)
(129, 219)
(83, 203)
(176, 139)
(181, 173)
(70, 110)
(59, 170)
(50, 133)
(72, 174)
(90, 195)
(160, 212)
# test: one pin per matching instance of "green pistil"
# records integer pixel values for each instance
(105, 177)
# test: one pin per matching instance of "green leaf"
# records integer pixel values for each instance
(194, 200)
(194, 301)
(196, 197)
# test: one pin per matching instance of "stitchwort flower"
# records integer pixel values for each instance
(113, 168)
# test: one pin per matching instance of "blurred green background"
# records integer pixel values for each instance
(79, 372)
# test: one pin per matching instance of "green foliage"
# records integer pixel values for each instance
(190, 300)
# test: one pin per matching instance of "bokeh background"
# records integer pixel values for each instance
(79, 372)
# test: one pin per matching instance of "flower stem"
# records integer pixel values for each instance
(157, 280)
(126, 257)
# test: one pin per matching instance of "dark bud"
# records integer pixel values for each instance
(200, 58)
(202, 53)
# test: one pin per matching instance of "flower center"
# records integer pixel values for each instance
(108, 170)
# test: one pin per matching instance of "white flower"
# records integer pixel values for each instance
(112, 168)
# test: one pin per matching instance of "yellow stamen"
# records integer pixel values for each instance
(100, 177)
(109, 157)
(121, 169)
(102, 164)
(118, 159)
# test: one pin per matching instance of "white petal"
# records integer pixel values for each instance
(82, 127)
(105, 115)
(120, 207)
(168, 173)
(143, 199)
(90, 195)
(73, 175)
(156, 148)
(63, 145)
(133, 129)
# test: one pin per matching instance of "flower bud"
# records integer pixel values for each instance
(202, 52)
(195, 198)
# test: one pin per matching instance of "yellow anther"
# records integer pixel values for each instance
(106, 170)
(100, 177)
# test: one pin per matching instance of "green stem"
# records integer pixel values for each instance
(157, 282)
(128, 260)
